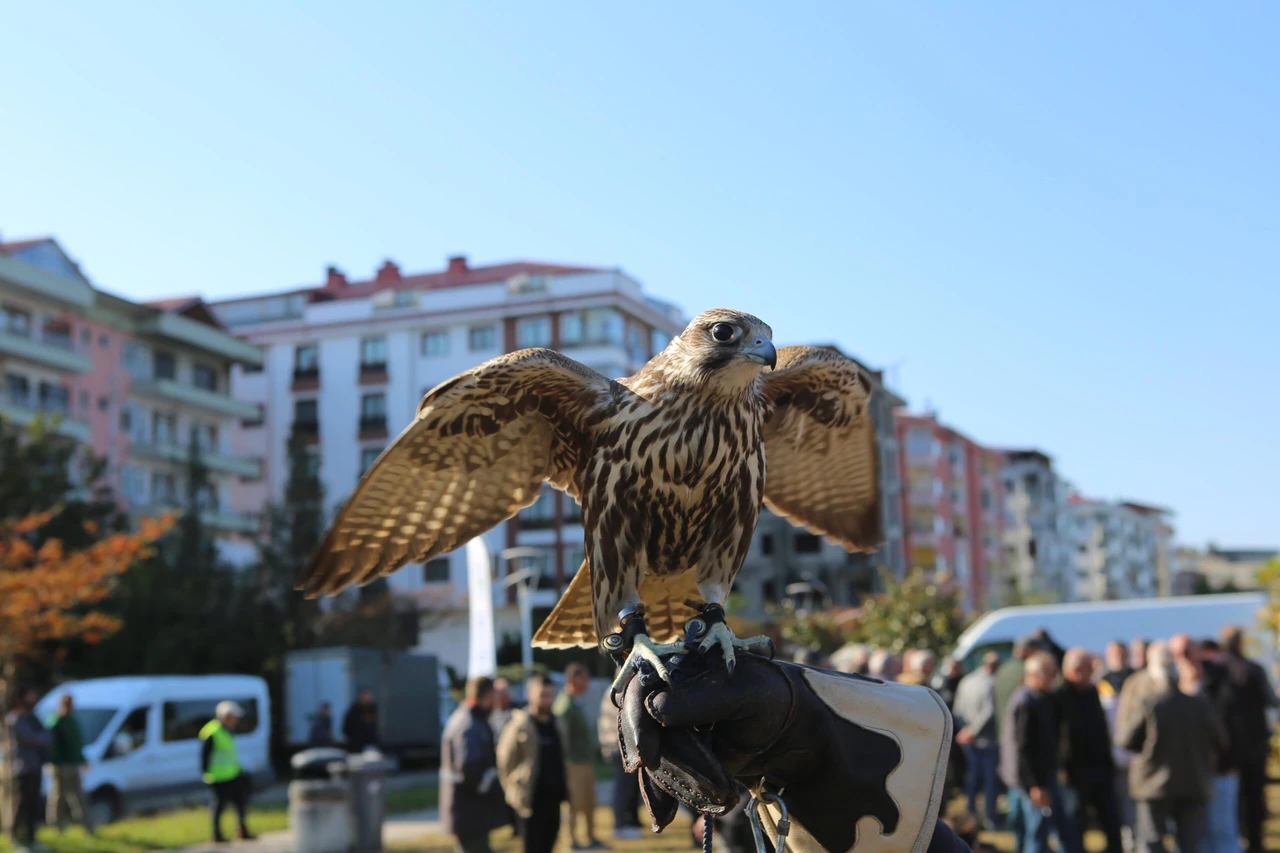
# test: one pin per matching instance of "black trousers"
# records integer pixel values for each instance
(626, 795)
(539, 831)
(26, 807)
(236, 793)
(1152, 817)
(1253, 803)
(1096, 790)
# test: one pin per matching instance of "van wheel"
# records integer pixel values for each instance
(105, 806)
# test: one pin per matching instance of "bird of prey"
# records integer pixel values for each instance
(669, 466)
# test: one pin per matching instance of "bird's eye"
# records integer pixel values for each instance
(723, 332)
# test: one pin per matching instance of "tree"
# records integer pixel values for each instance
(919, 612)
(1269, 580)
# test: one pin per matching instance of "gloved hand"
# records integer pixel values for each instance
(764, 726)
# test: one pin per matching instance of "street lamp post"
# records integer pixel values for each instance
(520, 580)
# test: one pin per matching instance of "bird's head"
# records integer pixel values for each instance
(728, 347)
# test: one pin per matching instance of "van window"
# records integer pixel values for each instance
(92, 721)
(973, 660)
(132, 734)
(184, 720)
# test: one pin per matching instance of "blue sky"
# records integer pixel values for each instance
(1058, 222)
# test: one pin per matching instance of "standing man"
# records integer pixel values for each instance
(31, 743)
(1247, 723)
(1008, 677)
(1222, 822)
(578, 739)
(501, 714)
(321, 727)
(626, 786)
(1086, 747)
(66, 793)
(975, 713)
(1176, 737)
(221, 771)
(1116, 658)
(471, 803)
(532, 769)
(360, 725)
(1029, 761)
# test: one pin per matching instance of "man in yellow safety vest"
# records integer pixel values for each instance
(220, 766)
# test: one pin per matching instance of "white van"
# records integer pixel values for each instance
(1094, 624)
(141, 735)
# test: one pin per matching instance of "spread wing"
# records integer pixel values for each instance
(478, 451)
(820, 447)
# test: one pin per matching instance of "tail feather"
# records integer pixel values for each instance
(572, 623)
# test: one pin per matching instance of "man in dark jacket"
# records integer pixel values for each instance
(66, 793)
(471, 801)
(1248, 728)
(1222, 819)
(1086, 747)
(321, 727)
(1176, 737)
(1029, 762)
(30, 742)
(360, 725)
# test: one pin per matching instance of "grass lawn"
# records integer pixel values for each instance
(674, 837)
(189, 826)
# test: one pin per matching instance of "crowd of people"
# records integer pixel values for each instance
(1150, 738)
(502, 765)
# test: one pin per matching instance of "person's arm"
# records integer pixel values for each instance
(1131, 733)
(31, 734)
(1024, 745)
(475, 769)
(206, 754)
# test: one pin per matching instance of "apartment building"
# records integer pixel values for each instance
(1123, 549)
(345, 363)
(782, 554)
(134, 383)
(952, 504)
(1038, 560)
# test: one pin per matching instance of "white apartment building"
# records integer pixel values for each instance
(1122, 549)
(346, 363)
(133, 383)
(1037, 552)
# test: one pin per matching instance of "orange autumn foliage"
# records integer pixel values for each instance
(47, 594)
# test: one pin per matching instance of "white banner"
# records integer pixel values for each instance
(482, 655)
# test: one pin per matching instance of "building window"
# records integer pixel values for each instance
(306, 362)
(482, 338)
(204, 376)
(571, 510)
(436, 571)
(368, 455)
(543, 511)
(658, 340)
(533, 332)
(104, 341)
(132, 483)
(86, 337)
(766, 544)
(57, 333)
(18, 390)
(919, 443)
(373, 412)
(104, 404)
(572, 331)
(373, 355)
(436, 343)
(206, 437)
(55, 398)
(807, 543)
(165, 366)
(137, 360)
(164, 489)
(406, 298)
(84, 401)
(604, 326)
(164, 428)
(636, 343)
(15, 321)
(247, 369)
(257, 420)
(306, 417)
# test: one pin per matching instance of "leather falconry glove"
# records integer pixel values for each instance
(859, 763)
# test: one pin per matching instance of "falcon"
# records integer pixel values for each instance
(669, 466)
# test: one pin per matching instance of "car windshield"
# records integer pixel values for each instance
(93, 721)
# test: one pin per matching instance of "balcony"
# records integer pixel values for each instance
(373, 373)
(163, 452)
(179, 392)
(305, 379)
(217, 520)
(21, 411)
(48, 351)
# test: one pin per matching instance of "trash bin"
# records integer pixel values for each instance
(368, 772)
(320, 811)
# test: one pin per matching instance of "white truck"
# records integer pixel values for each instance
(412, 693)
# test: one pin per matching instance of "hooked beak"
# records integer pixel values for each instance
(761, 351)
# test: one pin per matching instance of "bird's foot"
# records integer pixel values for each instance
(632, 650)
(709, 630)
